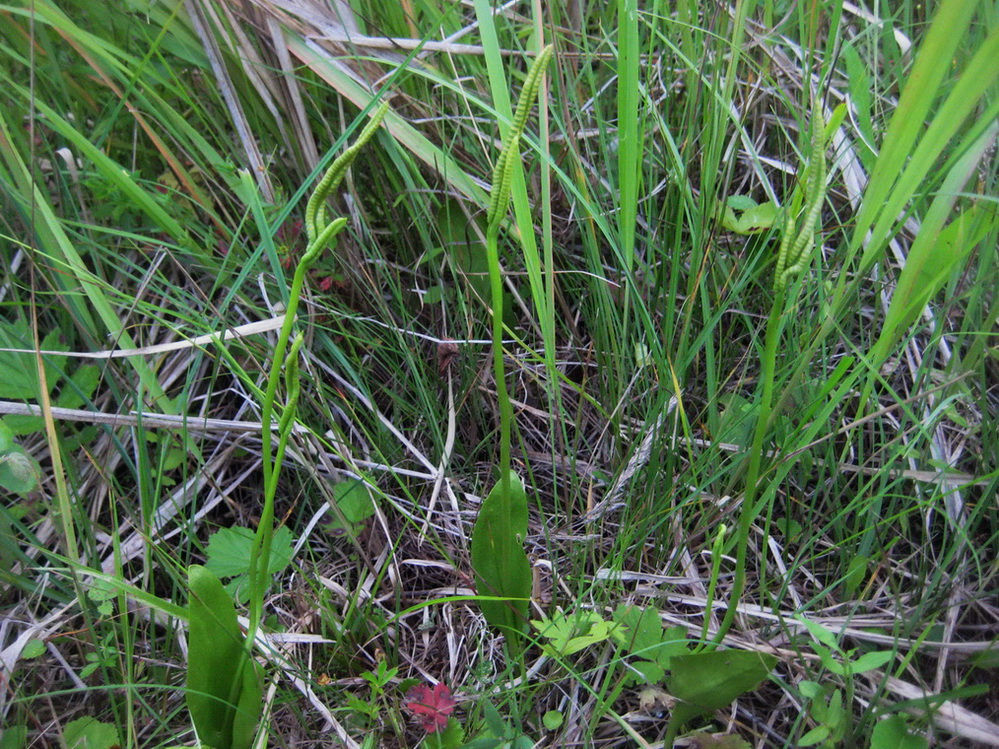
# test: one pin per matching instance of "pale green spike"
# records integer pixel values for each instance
(315, 210)
(503, 171)
(796, 245)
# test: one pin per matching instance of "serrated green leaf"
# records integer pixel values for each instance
(647, 672)
(90, 733)
(642, 635)
(360, 706)
(79, 387)
(19, 372)
(493, 720)
(452, 737)
(570, 633)
(23, 424)
(229, 551)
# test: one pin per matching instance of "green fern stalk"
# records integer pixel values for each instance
(795, 250)
(320, 235)
(498, 201)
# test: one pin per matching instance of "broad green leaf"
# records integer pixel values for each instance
(6, 437)
(816, 736)
(19, 472)
(216, 661)
(708, 681)
(464, 246)
(820, 633)
(33, 649)
(354, 502)
(891, 733)
(14, 737)
(553, 720)
(701, 740)
(871, 661)
(498, 559)
(248, 708)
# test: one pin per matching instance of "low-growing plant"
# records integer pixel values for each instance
(502, 569)
(19, 472)
(825, 701)
(223, 679)
(700, 681)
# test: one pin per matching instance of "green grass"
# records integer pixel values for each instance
(841, 429)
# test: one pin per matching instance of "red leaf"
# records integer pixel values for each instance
(432, 707)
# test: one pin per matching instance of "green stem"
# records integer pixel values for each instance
(748, 513)
(260, 550)
(794, 252)
(499, 371)
(499, 197)
(716, 556)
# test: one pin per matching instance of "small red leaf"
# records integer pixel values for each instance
(432, 707)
